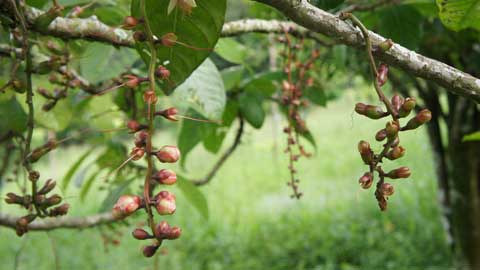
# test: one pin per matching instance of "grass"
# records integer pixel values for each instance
(254, 224)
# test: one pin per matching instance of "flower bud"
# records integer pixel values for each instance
(22, 223)
(385, 45)
(168, 154)
(381, 135)
(141, 139)
(168, 113)
(165, 177)
(396, 153)
(421, 118)
(141, 234)
(402, 172)
(134, 126)
(169, 39)
(365, 152)
(39, 199)
(60, 210)
(139, 36)
(33, 176)
(165, 204)
(132, 81)
(125, 206)
(13, 198)
(130, 22)
(162, 72)
(53, 200)
(407, 107)
(387, 189)
(397, 102)
(366, 180)
(382, 74)
(162, 230)
(391, 129)
(174, 233)
(370, 111)
(137, 153)
(47, 187)
(150, 97)
(149, 251)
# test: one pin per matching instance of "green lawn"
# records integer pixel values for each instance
(254, 224)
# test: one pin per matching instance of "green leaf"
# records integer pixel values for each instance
(36, 3)
(459, 14)
(13, 116)
(231, 50)
(309, 137)
(191, 133)
(317, 95)
(102, 62)
(263, 83)
(88, 184)
(232, 76)
(213, 141)
(200, 29)
(471, 137)
(230, 113)
(251, 108)
(193, 195)
(68, 176)
(204, 91)
(403, 24)
(114, 155)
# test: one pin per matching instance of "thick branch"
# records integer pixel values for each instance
(315, 19)
(62, 222)
(224, 157)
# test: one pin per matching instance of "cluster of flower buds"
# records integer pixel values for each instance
(296, 70)
(46, 205)
(397, 108)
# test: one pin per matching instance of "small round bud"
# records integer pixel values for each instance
(162, 230)
(391, 129)
(162, 72)
(33, 176)
(174, 233)
(53, 200)
(169, 39)
(385, 45)
(150, 97)
(141, 234)
(370, 111)
(137, 153)
(382, 74)
(387, 189)
(135, 126)
(60, 210)
(402, 172)
(165, 177)
(168, 154)
(407, 107)
(165, 203)
(365, 152)
(397, 102)
(125, 206)
(149, 251)
(381, 135)
(396, 153)
(131, 81)
(169, 113)
(366, 180)
(130, 22)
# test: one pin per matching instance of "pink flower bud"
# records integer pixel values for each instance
(365, 152)
(59, 210)
(165, 177)
(125, 206)
(165, 203)
(130, 22)
(162, 72)
(162, 230)
(168, 154)
(391, 129)
(134, 126)
(366, 180)
(149, 251)
(137, 153)
(169, 39)
(168, 113)
(141, 139)
(150, 97)
(174, 233)
(381, 135)
(407, 107)
(396, 153)
(140, 234)
(132, 81)
(422, 117)
(370, 111)
(402, 172)
(387, 189)
(397, 102)
(382, 74)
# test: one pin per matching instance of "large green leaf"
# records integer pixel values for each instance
(231, 50)
(460, 14)
(204, 91)
(13, 116)
(251, 108)
(403, 24)
(472, 137)
(193, 195)
(200, 29)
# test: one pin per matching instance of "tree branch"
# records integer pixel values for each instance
(315, 19)
(62, 222)
(224, 157)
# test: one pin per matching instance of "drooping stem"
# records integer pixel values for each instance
(150, 116)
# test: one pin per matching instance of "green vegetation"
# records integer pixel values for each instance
(253, 223)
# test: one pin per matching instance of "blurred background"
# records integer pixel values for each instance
(244, 217)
